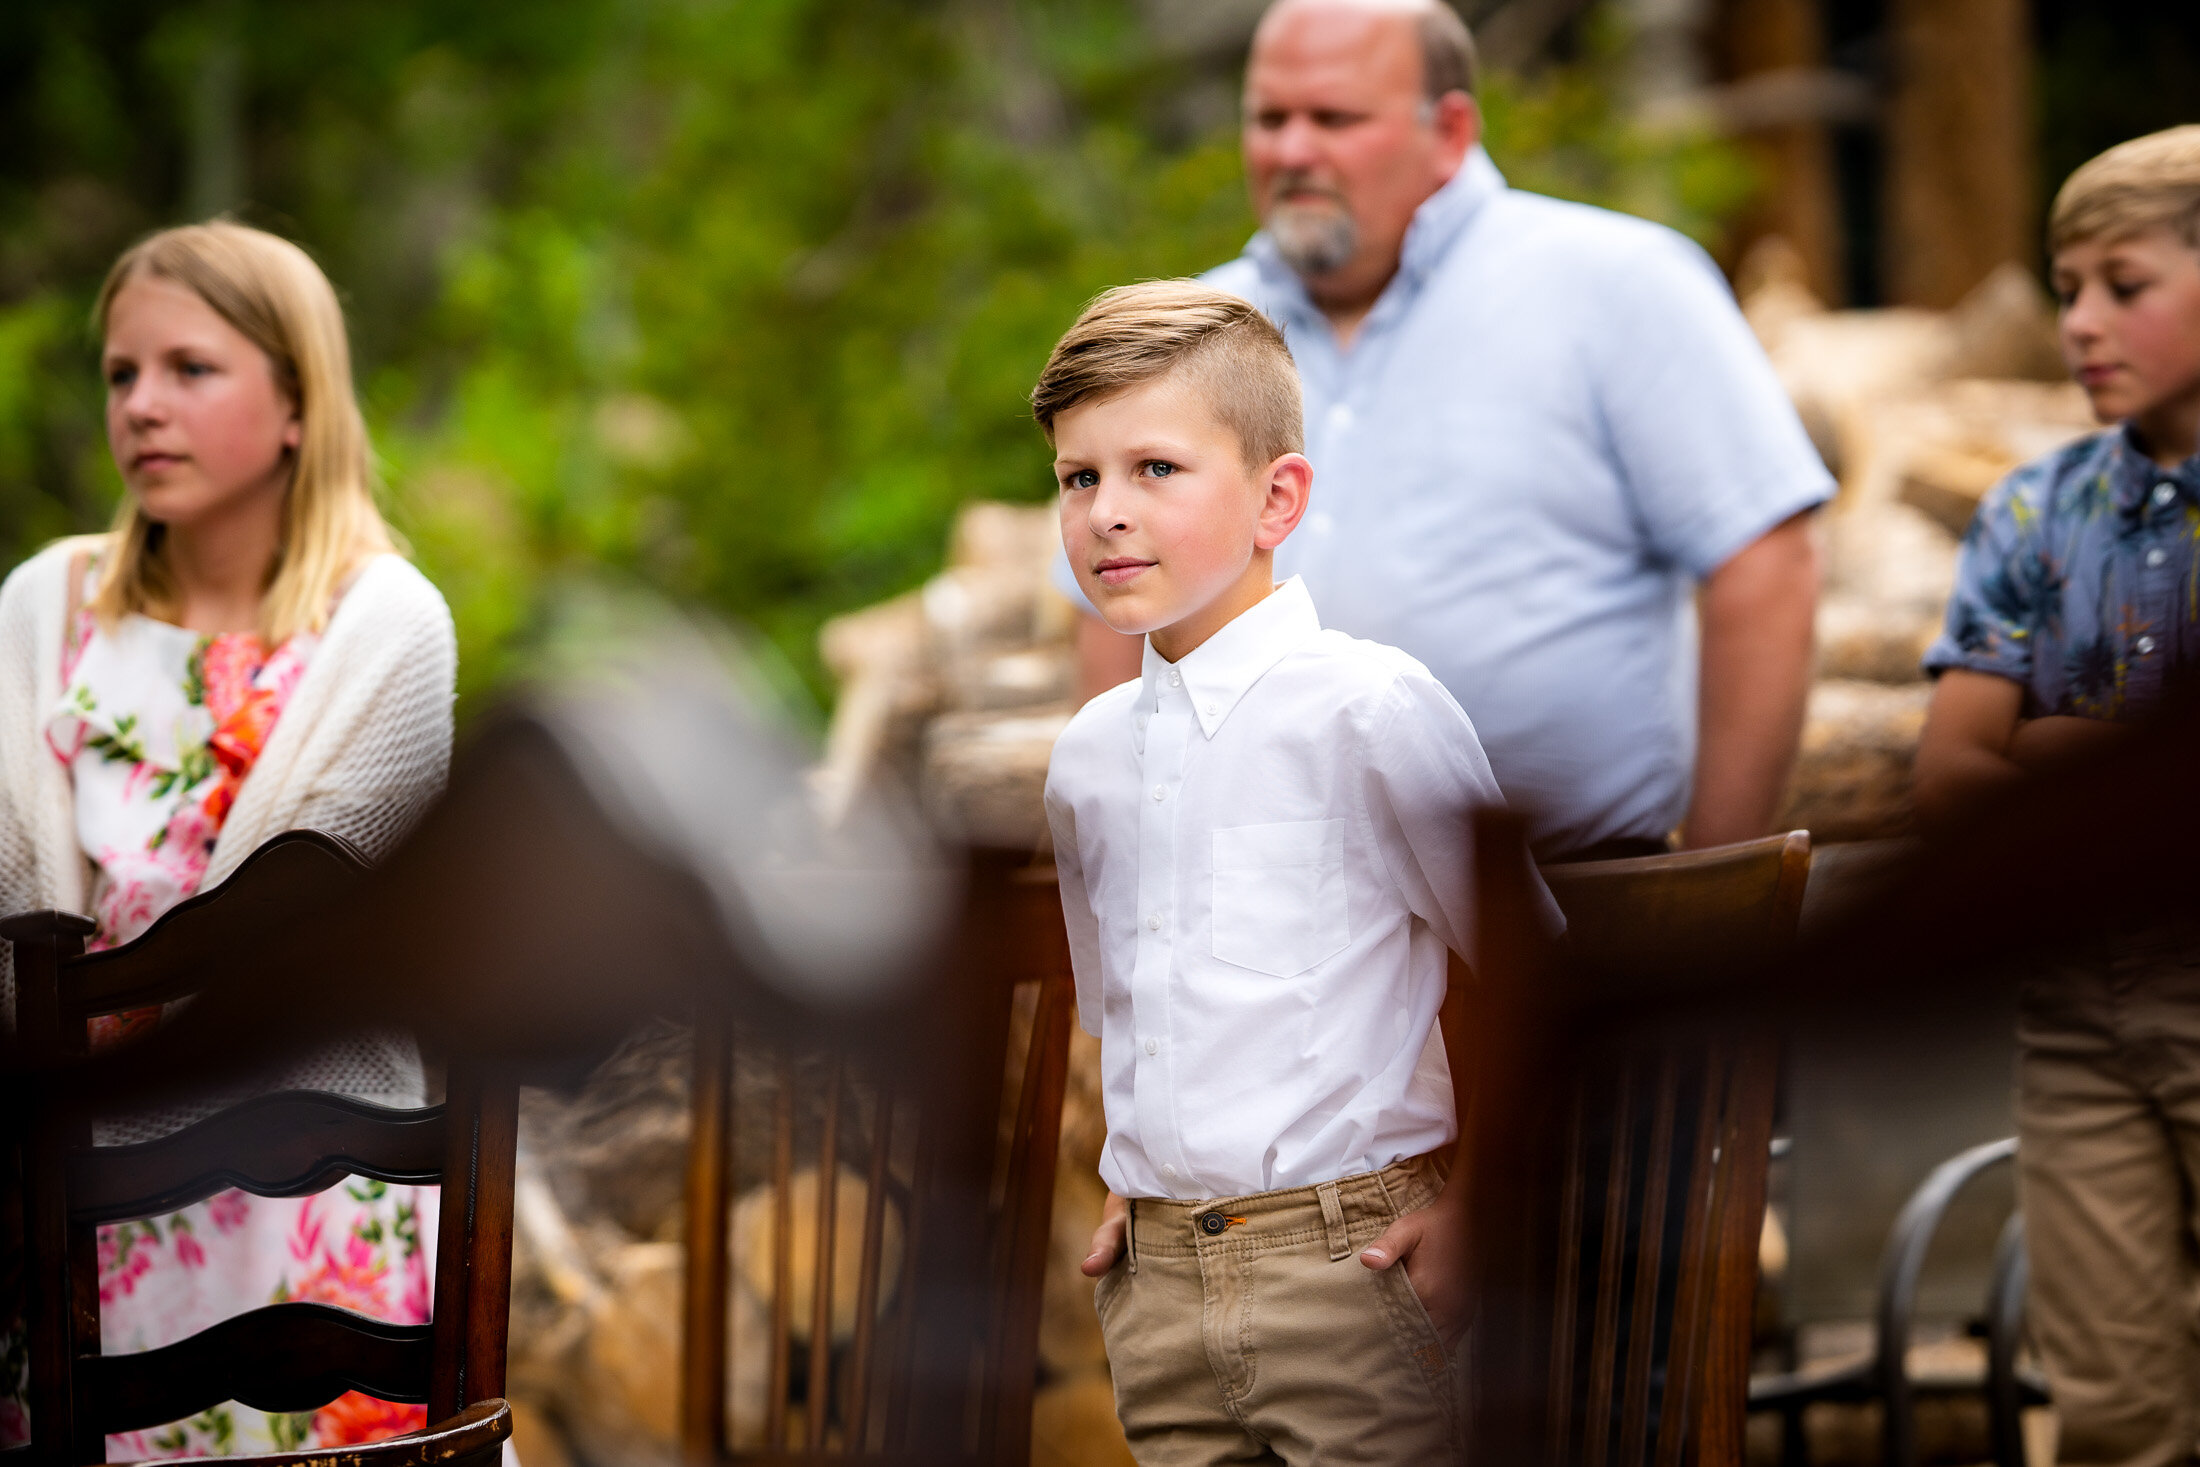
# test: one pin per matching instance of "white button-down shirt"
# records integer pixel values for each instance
(1551, 424)
(1265, 850)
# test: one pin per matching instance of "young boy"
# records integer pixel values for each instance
(2074, 610)
(1264, 851)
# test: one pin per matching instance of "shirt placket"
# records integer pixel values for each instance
(2150, 641)
(1152, 1013)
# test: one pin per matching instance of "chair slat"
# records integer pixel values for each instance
(1566, 1294)
(1745, 1139)
(1028, 1209)
(1692, 1293)
(1596, 1428)
(1649, 1264)
(281, 1145)
(821, 1284)
(705, 1350)
(867, 1278)
(782, 1343)
(284, 1357)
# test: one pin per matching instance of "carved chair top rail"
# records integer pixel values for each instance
(282, 1145)
(285, 878)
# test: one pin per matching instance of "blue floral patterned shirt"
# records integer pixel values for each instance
(2080, 580)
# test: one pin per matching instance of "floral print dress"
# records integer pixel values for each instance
(159, 727)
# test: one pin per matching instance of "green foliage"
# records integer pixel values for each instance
(736, 298)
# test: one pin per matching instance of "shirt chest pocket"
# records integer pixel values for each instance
(1279, 904)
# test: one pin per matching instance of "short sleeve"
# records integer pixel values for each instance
(1705, 437)
(1425, 777)
(2002, 577)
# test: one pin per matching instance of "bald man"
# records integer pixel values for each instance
(1545, 444)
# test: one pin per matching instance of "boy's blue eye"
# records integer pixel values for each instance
(1160, 468)
(1081, 479)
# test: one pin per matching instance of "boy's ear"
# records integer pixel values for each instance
(1290, 485)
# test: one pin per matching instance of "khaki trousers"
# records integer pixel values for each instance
(1246, 1330)
(2108, 1123)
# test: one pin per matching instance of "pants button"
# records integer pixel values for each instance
(1212, 1223)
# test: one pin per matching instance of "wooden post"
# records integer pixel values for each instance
(1756, 38)
(63, 1321)
(1959, 147)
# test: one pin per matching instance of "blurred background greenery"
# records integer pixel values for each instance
(739, 298)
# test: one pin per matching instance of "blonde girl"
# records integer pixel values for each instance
(243, 653)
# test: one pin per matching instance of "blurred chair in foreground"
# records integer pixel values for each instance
(895, 1247)
(289, 1357)
(1620, 1127)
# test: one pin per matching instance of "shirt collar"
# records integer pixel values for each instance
(2136, 474)
(1220, 671)
(1436, 225)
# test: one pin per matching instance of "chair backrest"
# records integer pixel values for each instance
(868, 1215)
(285, 1357)
(1624, 1126)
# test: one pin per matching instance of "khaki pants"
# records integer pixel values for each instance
(2108, 1123)
(1247, 1330)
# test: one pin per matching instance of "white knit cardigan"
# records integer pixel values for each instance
(360, 751)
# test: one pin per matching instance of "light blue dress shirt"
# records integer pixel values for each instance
(1551, 424)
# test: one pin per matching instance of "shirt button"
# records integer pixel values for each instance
(1210, 710)
(2164, 492)
(1169, 1172)
(1160, 792)
(2143, 646)
(1154, 922)
(1141, 720)
(2157, 555)
(1176, 679)
(1153, 1046)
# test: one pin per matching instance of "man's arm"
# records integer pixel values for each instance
(1105, 657)
(1758, 611)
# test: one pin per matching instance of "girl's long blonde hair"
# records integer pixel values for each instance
(273, 293)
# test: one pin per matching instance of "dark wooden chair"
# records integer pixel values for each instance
(285, 1357)
(1619, 1128)
(941, 1127)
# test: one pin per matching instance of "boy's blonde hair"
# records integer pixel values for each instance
(1228, 350)
(274, 294)
(2147, 183)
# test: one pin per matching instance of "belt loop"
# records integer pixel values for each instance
(1130, 1231)
(1340, 1247)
